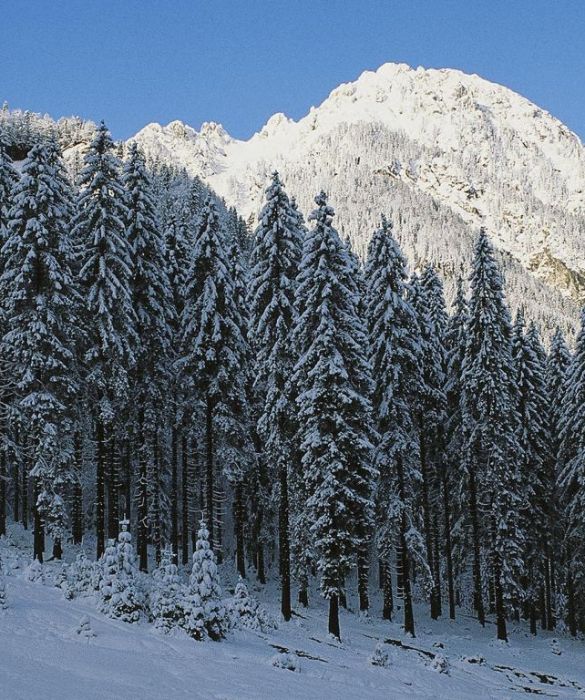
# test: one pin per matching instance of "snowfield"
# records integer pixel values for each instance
(44, 657)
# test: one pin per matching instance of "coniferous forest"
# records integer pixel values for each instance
(180, 392)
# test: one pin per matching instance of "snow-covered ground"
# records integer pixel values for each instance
(42, 656)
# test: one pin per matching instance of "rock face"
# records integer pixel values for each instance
(440, 152)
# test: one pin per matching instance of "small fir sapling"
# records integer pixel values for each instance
(205, 615)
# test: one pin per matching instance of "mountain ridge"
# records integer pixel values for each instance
(484, 154)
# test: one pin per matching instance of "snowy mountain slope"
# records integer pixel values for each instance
(444, 151)
(124, 661)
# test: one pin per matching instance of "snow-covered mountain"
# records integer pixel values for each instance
(439, 151)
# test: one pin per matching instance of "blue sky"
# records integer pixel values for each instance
(238, 61)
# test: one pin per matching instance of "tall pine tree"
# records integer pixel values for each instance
(490, 423)
(153, 305)
(275, 261)
(214, 354)
(333, 375)
(534, 441)
(39, 297)
(8, 177)
(394, 357)
(110, 320)
(572, 485)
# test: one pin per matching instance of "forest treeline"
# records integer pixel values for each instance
(329, 416)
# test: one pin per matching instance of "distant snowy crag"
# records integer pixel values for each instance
(440, 152)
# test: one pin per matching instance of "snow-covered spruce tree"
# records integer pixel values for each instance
(245, 611)
(299, 220)
(105, 278)
(275, 260)
(128, 600)
(237, 452)
(8, 177)
(214, 351)
(166, 595)
(84, 629)
(80, 575)
(204, 614)
(153, 305)
(76, 408)
(571, 485)
(454, 510)
(557, 363)
(120, 596)
(334, 410)
(490, 425)
(35, 572)
(534, 441)
(356, 273)
(439, 321)
(238, 232)
(177, 265)
(39, 295)
(394, 357)
(431, 405)
(303, 561)
(106, 572)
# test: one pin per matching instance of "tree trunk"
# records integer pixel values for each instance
(334, 617)
(77, 495)
(403, 556)
(209, 482)
(304, 592)
(128, 476)
(25, 497)
(406, 593)
(174, 493)
(381, 570)
(113, 514)
(143, 511)
(157, 535)
(363, 568)
(542, 601)
(100, 489)
(448, 548)
(239, 525)
(437, 565)
(477, 584)
(571, 613)
(532, 618)
(258, 509)
(15, 492)
(218, 529)
(284, 545)
(3, 477)
(197, 492)
(386, 575)
(428, 520)
(548, 595)
(185, 497)
(38, 530)
(260, 569)
(500, 610)
(57, 548)
(553, 587)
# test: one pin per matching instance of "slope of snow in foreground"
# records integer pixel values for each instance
(42, 656)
